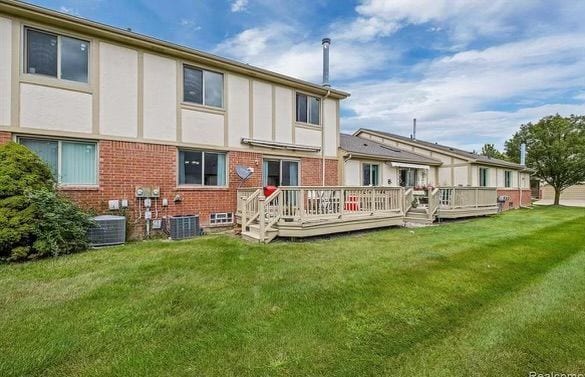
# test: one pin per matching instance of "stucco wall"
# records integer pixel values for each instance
(5, 70)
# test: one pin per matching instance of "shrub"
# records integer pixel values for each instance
(34, 220)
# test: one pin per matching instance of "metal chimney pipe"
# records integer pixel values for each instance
(523, 154)
(414, 128)
(326, 42)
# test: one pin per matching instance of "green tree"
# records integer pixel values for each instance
(490, 150)
(555, 150)
(35, 220)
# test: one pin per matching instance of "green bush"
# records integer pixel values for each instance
(35, 221)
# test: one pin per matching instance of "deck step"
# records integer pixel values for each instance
(252, 234)
(418, 220)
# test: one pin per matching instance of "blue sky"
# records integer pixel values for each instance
(470, 71)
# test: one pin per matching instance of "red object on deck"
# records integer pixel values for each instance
(352, 203)
(269, 190)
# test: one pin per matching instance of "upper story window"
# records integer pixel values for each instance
(71, 162)
(483, 177)
(507, 178)
(308, 109)
(371, 175)
(202, 168)
(202, 87)
(56, 55)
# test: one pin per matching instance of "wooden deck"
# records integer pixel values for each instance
(306, 211)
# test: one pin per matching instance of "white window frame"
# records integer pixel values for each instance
(507, 178)
(60, 154)
(217, 218)
(59, 36)
(203, 102)
(296, 109)
(280, 161)
(487, 177)
(378, 176)
(203, 152)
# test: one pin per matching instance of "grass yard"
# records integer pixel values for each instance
(500, 296)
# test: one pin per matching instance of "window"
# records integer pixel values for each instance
(56, 55)
(370, 175)
(221, 218)
(280, 173)
(483, 177)
(507, 178)
(408, 177)
(202, 87)
(72, 162)
(308, 109)
(202, 168)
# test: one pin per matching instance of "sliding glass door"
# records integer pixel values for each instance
(280, 173)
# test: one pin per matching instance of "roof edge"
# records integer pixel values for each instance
(112, 33)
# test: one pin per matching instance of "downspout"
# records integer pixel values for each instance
(325, 43)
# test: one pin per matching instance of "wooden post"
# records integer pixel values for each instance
(342, 201)
(476, 197)
(244, 213)
(302, 204)
(262, 217)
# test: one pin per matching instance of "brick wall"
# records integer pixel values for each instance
(5, 137)
(312, 172)
(514, 195)
(125, 165)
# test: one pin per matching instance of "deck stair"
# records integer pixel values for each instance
(419, 215)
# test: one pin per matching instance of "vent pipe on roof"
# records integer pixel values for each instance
(413, 134)
(523, 154)
(326, 42)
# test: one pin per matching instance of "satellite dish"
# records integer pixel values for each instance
(243, 172)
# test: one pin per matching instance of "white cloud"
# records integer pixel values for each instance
(457, 95)
(284, 49)
(462, 20)
(189, 25)
(239, 5)
(69, 10)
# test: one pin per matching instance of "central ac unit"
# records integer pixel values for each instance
(107, 230)
(185, 226)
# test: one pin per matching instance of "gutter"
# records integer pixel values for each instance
(84, 26)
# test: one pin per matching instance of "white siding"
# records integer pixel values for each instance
(389, 173)
(118, 91)
(54, 109)
(330, 127)
(5, 70)
(444, 177)
(460, 175)
(262, 110)
(160, 98)
(352, 173)
(284, 114)
(238, 109)
(202, 128)
(305, 136)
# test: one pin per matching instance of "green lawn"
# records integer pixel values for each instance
(500, 296)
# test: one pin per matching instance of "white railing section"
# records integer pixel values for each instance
(408, 199)
(467, 197)
(248, 206)
(306, 202)
(433, 205)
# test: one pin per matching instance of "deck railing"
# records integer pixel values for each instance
(467, 197)
(433, 205)
(408, 199)
(306, 202)
(248, 206)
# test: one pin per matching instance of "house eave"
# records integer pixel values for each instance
(77, 24)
